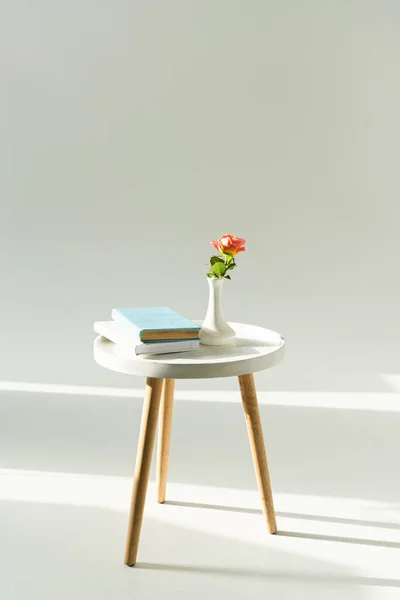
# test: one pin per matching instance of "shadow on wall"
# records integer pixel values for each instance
(312, 450)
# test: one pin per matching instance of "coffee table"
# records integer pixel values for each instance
(256, 349)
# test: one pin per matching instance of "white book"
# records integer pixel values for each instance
(121, 334)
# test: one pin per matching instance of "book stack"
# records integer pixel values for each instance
(150, 330)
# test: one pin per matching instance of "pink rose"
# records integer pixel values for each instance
(229, 244)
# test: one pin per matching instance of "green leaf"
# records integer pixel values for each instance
(215, 259)
(218, 269)
(227, 276)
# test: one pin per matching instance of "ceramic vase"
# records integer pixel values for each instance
(215, 331)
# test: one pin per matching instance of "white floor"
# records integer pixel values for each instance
(65, 481)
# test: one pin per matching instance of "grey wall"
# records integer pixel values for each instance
(133, 132)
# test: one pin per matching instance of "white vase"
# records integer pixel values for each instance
(215, 331)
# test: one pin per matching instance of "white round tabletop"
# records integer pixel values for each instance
(255, 349)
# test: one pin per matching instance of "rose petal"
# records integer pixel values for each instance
(215, 244)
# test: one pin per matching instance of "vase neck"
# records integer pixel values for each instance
(215, 299)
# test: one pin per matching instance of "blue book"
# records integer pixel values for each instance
(157, 323)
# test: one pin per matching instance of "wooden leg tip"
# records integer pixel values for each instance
(161, 498)
(130, 564)
(272, 529)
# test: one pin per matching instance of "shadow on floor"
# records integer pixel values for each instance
(82, 547)
(288, 515)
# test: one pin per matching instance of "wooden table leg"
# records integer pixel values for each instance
(142, 468)
(164, 437)
(254, 429)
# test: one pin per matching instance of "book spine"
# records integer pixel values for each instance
(149, 342)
